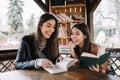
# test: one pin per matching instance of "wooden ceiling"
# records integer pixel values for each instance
(42, 5)
(90, 4)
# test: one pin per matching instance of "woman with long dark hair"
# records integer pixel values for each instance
(80, 42)
(40, 48)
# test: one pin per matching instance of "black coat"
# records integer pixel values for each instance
(26, 54)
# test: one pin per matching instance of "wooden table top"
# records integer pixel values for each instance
(74, 73)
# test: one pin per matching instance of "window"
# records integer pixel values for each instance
(17, 18)
(106, 22)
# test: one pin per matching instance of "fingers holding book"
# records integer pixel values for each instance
(95, 68)
(105, 66)
(47, 63)
(100, 68)
(60, 58)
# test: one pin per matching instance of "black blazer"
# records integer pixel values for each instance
(26, 54)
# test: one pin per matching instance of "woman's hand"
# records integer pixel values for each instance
(101, 68)
(71, 46)
(72, 52)
(105, 66)
(47, 63)
(95, 68)
(60, 58)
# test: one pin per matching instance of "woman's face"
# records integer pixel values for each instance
(77, 36)
(48, 28)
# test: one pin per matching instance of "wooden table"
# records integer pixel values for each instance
(74, 73)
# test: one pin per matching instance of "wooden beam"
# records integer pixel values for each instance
(42, 5)
(91, 5)
(8, 54)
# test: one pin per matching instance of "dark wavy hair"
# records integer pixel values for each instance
(85, 30)
(52, 41)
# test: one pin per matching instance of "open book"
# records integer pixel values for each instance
(61, 66)
(88, 59)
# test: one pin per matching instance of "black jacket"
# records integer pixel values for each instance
(26, 54)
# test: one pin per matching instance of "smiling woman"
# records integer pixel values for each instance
(13, 28)
(39, 49)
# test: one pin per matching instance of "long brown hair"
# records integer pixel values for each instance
(52, 41)
(85, 30)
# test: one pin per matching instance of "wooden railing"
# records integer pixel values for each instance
(115, 59)
(7, 58)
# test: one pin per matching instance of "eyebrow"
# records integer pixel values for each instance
(75, 31)
(49, 23)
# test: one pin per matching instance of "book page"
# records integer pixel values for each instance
(85, 54)
(61, 66)
(66, 62)
(88, 59)
(101, 52)
(55, 69)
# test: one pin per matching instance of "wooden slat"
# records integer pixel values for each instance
(115, 59)
(8, 54)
